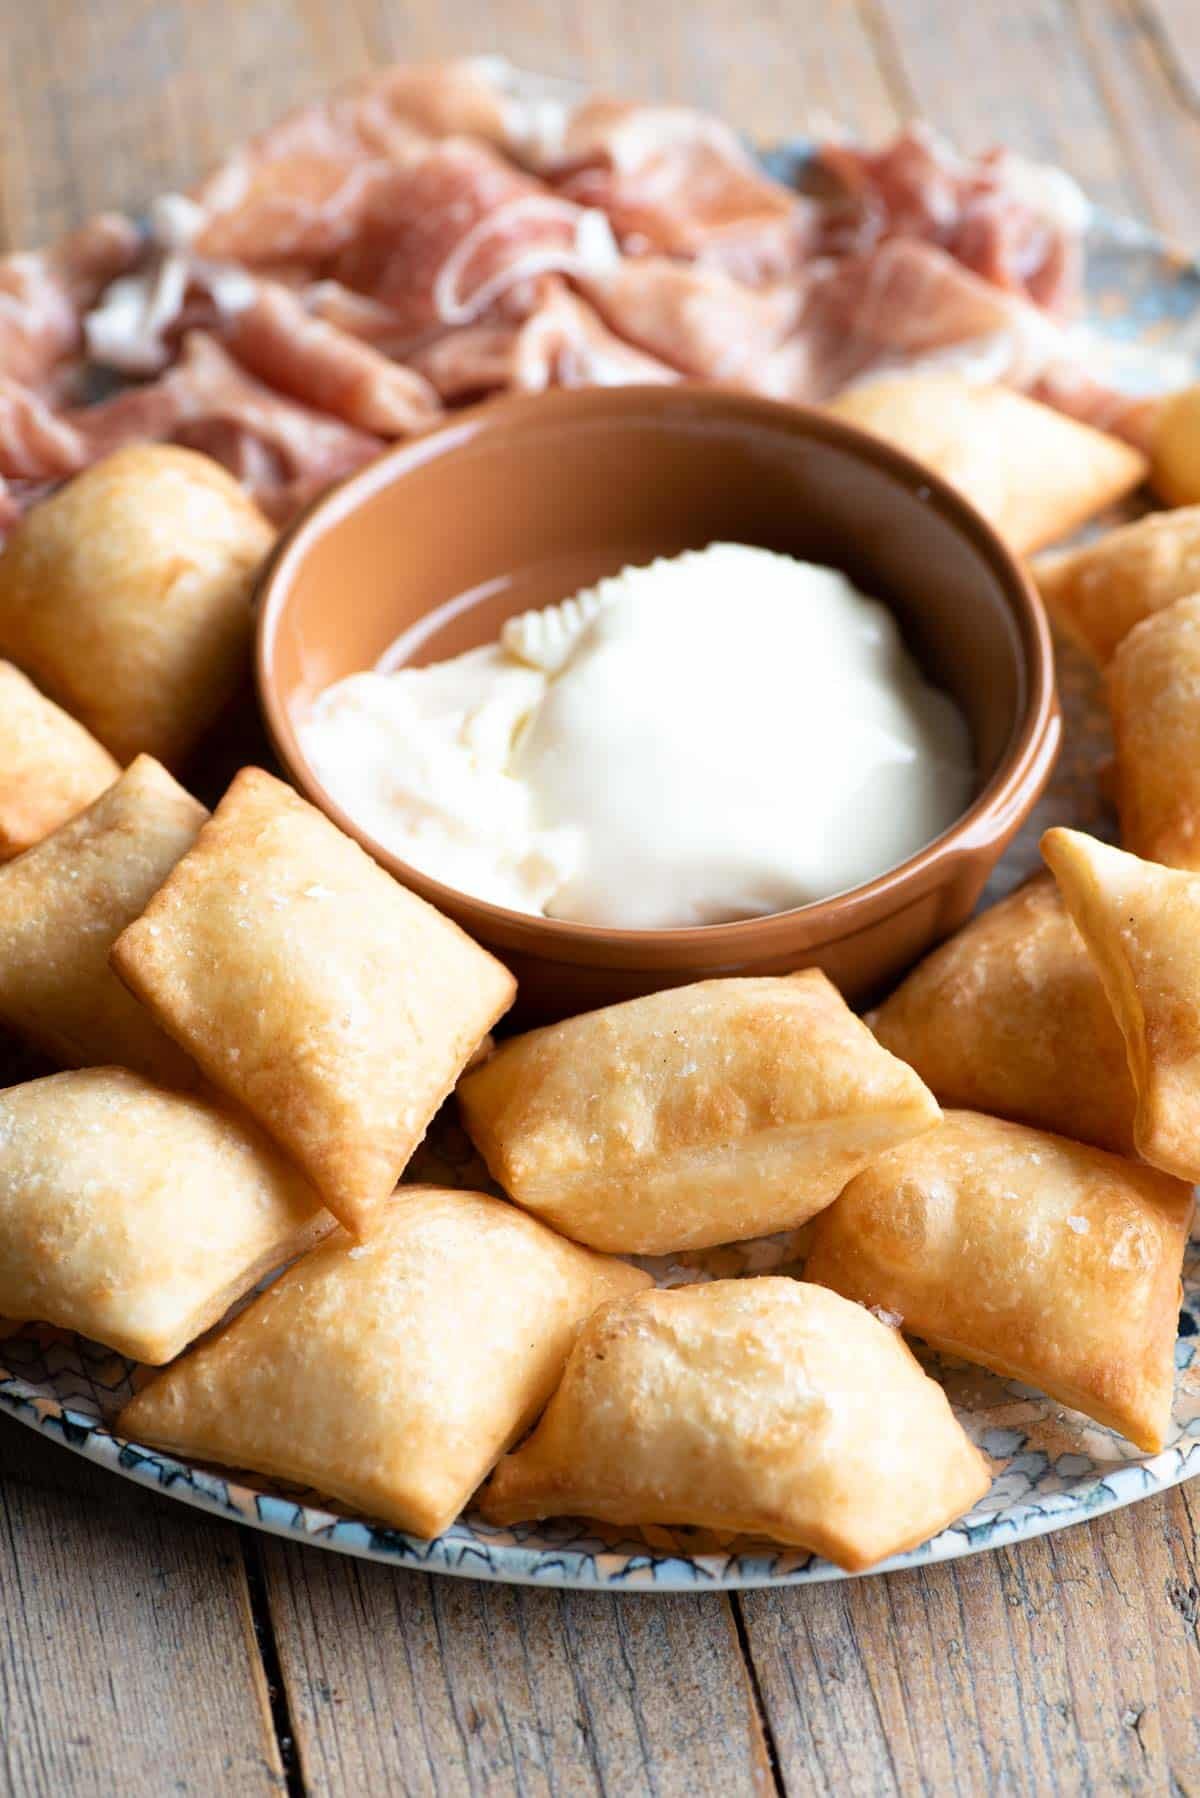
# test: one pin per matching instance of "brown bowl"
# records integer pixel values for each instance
(522, 501)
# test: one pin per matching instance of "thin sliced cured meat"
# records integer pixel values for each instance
(317, 362)
(700, 321)
(36, 444)
(283, 452)
(681, 183)
(561, 342)
(45, 293)
(448, 233)
(1017, 225)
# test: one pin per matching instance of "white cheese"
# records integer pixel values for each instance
(719, 735)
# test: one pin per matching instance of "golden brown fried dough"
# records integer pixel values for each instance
(1154, 697)
(1011, 1017)
(1034, 473)
(700, 1115)
(62, 906)
(1141, 923)
(50, 767)
(766, 1407)
(136, 1215)
(332, 1003)
(1099, 592)
(392, 1374)
(1175, 448)
(127, 596)
(1045, 1260)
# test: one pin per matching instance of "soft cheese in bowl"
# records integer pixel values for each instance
(717, 735)
(707, 739)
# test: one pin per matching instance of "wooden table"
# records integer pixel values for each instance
(146, 1649)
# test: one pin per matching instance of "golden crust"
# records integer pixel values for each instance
(1010, 1017)
(1100, 591)
(765, 1406)
(392, 1374)
(50, 766)
(62, 906)
(135, 1215)
(1141, 923)
(127, 596)
(1154, 697)
(1035, 474)
(700, 1115)
(332, 1003)
(1049, 1261)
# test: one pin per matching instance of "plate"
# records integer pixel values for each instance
(1055, 1468)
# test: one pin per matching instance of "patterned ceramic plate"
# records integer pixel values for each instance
(1055, 1468)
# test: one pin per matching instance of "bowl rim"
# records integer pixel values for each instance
(1005, 799)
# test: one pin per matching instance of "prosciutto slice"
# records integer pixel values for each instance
(434, 234)
(561, 341)
(35, 443)
(447, 234)
(45, 293)
(283, 452)
(330, 370)
(1016, 226)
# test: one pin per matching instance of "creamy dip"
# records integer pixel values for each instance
(719, 735)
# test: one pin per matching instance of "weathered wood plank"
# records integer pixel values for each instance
(1070, 1664)
(1016, 75)
(127, 1653)
(406, 1682)
(1158, 132)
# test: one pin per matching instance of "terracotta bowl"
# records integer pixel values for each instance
(518, 503)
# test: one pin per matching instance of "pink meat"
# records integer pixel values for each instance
(35, 443)
(282, 451)
(560, 342)
(319, 363)
(446, 234)
(44, 294)
(917, 187)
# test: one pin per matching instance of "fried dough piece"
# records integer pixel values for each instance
(1045, 1260)
(765, 1406)
(62, 906)
(332, 1003)
(1100, 591)
(1034, 473)
(695, 1116)
(1141, 923)
(50, 767)
(127, 596)
(1010, 1017)
(136, 1215)
(1154, 698)
(392, 1374)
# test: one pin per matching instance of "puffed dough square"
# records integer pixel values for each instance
(62, 906)
(394, 1373)
(50, 766)
(767, 1407)
(135, 1215)
(1154, 698)
(1141, 923)
(1034, 473)
(1048, 1261)
(1009, 1016)
(1101, 590)
(700, 1115)
(127, 596)
(332, 1003)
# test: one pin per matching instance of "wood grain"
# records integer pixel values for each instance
(127, 1657)
(1070, 1664)
(127, 1654)
(402, 1681)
